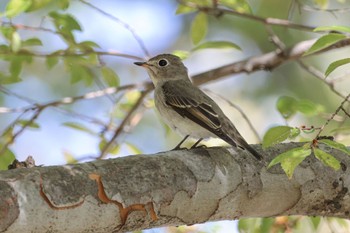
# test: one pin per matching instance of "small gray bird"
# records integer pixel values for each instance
(187, 109)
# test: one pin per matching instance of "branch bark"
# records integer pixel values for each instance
(168, 188)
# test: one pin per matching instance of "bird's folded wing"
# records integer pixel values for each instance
(187, 105)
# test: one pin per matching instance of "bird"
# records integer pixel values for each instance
(187, 109)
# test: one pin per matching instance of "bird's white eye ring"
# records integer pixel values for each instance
(162, 62)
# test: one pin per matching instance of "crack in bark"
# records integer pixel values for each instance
(49, 202)
(123, 212)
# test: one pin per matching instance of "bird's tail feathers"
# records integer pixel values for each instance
(245, 146)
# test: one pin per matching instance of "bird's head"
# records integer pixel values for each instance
(164, 67)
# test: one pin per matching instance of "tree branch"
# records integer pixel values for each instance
(169, 188)
(267, 61)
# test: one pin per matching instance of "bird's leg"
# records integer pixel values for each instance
(195, 145)
(182, 141)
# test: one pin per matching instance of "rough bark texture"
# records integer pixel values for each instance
(170, 188)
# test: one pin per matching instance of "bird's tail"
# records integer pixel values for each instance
(245, 146)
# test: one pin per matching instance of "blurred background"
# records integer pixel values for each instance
(161, 30)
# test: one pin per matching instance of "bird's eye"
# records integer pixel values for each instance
(163, 62)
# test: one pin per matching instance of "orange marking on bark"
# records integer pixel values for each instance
(124, 212)
(49, 203)
(152, 211)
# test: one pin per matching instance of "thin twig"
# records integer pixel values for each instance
(347, 98)
(125, 121)
(320, 76)
(21, 130)
(26, 27)
(125, 25)
(70, 54)
(217, 11)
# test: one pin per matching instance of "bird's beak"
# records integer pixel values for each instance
(143, 64)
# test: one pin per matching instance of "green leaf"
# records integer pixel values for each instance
(51, 61)
(335, 145)
(241, 6)
(110, 77)
(287, 106)
(217, 45)
(336, 64)
(9, 79)
(309, 108)
(7, 32)
(80, 127)
(114, 149)
(15, 42)
(315, 221)
(133, 149)
(15, 7)
(37, 4)
(181, 54)
(199, 27)
(63, 4)
(26, 123)
(69, 157)
(276, 135)
(323, 4)
(182, 9)
(88, 45)
(294, 132)
(102, 143)
(324, 42)
(6, 158)
(332, 28)
(32, 42)
(65, 22)
(289, 160)
(81, 73)
(15, 66)
(326, 158)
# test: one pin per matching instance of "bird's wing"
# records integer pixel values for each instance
(187, 103)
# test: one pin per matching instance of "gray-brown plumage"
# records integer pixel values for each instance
(187, 109)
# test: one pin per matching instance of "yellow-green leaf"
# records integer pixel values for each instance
(217, 45)
(181, 54)
(37, 4)
(32, 42)
(15, 7)
(335, 145)
(287, 106)
(336, 64)
(6, 158)
(309, 108)
(241, 6)
(110, 77)
(51, 61)
(69, 157)
(182, 9)
(15, 42)
(199, 27)
(133, 149)
(289, 160)
(324, 42)
(326, 158)
(78, 126)
(276, 135)
(27, 123)
(332, 28)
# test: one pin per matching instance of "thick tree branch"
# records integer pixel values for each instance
(170, 188)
